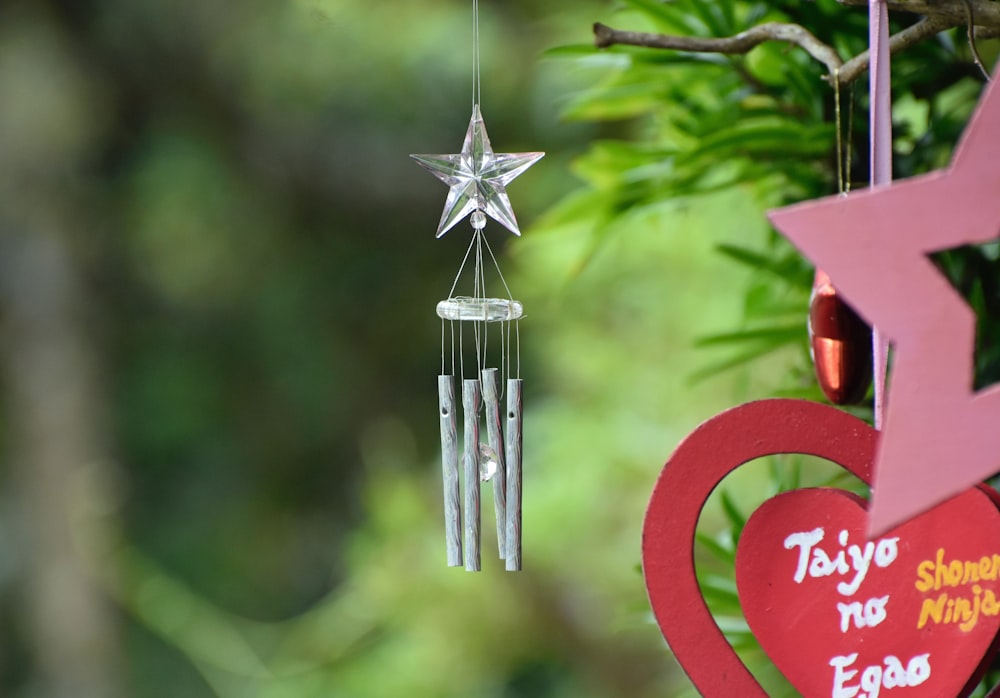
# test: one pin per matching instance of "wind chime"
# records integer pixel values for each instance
(477, 179)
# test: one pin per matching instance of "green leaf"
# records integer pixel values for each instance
(610, 163)
(619, 101)
(779, 334)
(571, 51)
(733, 626)
(666, 16)
(770, 137)
(784, 268)
(736, 519)
(585, 208)
(724, 553)
(740, 359)
(708, 13)
(720, 593)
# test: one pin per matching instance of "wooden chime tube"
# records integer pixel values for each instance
(514, 443)
(449, 470)
(494, 432)
(470, 405)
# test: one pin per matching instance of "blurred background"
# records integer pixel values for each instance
(220, 469)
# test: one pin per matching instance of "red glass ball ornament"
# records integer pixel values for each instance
(840, 343)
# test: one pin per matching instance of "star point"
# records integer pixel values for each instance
(940, 437)
(477, 178)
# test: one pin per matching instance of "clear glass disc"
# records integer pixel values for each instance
(480, 309)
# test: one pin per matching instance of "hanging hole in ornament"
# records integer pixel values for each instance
(479, 309)
(971, 271)
(444, 411)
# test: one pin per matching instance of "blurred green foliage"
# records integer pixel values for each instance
(263, 273)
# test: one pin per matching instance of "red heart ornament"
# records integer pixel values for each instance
(701, 461)
(916, 608)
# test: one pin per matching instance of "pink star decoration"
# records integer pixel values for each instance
(940, 436)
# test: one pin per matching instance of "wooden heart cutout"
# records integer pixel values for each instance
(916, 608)
(701, 461)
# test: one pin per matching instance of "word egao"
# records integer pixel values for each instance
(874, 678)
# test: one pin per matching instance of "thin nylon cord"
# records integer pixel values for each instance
(451, 293)
(497, 265)
(504, 356)
(511, 297)
(844, 145)
(480, 280)
(840, 137)
(517, 325)
(850, 139)
(476, 84)
(478, 292)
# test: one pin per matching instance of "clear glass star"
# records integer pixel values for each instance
(478, 179)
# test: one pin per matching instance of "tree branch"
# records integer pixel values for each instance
(955, 12)
(605, 36)
(837, 69)
(902, 40)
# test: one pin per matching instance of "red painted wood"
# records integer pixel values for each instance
(814, 591)
(701, 461)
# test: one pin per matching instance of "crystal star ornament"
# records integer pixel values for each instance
(940, 435)
(478, 179)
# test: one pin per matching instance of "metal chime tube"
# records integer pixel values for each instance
(449, 470)
(470, 405)
(514, 414)
(494, 432)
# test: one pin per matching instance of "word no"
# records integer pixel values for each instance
(865, 615)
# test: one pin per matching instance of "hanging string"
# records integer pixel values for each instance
(497, 265)
(476, 92)
(880, 94)
(465, 259)
(840, 138)
(880, 130)
(510, 296)
(479, 285)
(480, 334)
(505, 356)
(850, 140)
(844, 146)
(517, 326)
